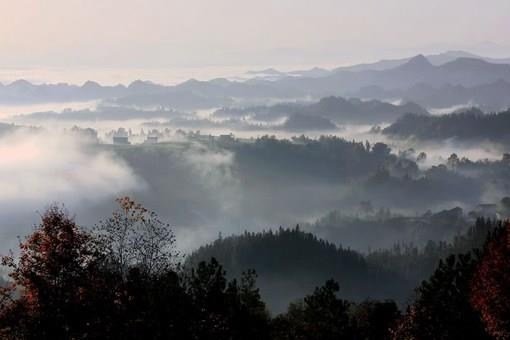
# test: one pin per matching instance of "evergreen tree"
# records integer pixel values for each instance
(442, 309)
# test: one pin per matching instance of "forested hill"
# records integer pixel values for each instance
(328, 157)
(122, 280)
(338, 109)
(290, 262)
(468, 125)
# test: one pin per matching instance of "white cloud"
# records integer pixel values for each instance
(37, 168)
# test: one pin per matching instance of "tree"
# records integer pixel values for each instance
(321, 315)
(506, 158)
(442, 309)
(116, 283)
(490, 290)
(248, 314)
(505, 205)
(422, 157)
(152, 307)
(381, 149)
(74, 285)
(453, 161)
(250, 298)
(56, 276)
(226, 309)
(373, 320)
(141, 257)
(135, 236)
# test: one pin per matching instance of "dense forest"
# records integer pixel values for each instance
(124, 279)
(299, 179)
(469, 125)
(290, 262)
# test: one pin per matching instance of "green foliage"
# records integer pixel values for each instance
(226, 309)
(320, 315)
(291, 263)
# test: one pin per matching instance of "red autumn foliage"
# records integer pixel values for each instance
(490, 289)
(54, 275)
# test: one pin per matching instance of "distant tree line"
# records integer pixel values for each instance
(327, 157)
(368, 228)
(469, 125)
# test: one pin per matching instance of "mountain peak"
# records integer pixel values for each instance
(418, 61)
(139, 82)
(460, 54)
(91, 84)
(21, 83)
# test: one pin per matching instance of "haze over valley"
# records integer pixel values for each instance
(261, 176)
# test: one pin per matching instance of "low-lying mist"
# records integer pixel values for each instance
(204, 187)
(39, 167)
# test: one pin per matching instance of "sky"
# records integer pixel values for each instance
(203, 33)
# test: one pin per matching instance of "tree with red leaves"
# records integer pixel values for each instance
(490, 288)
(55, 278)
(442, 309)
(121, 281)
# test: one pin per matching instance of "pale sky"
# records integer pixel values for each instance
(169, 33)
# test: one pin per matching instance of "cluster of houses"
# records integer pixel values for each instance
(122, 137)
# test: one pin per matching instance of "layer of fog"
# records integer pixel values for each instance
(197, 195)
(197, 189)
(206, 124)
(38, 168)
(451, 109)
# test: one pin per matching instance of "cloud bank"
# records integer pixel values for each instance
(39, 168)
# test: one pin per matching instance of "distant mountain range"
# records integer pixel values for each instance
(381, 65)
(445, 79)
(462, 71)
(435, 59)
